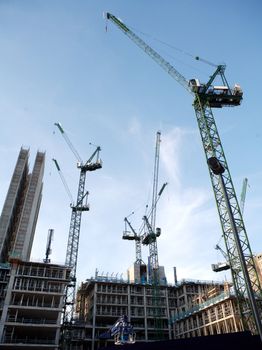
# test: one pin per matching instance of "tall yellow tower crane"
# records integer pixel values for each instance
(206, 97)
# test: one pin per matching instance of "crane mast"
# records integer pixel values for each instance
(74, 233)
(151, 232)
(80, 206)
(155, 180)
(224, 265)
(207, 96)
(153, 251)
(150, 239)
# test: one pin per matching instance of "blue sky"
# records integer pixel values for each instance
(58, 63)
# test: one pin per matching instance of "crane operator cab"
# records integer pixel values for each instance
(217, 95)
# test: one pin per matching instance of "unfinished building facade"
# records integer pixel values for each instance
(21, 207)
(31, 304)
(31, 293)
(102, 300)
(212, 311)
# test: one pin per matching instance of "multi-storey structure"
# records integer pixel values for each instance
(31, 293)
(211, 311)
(102, 300)
(32, 304)
(4, 279)
(21, 208)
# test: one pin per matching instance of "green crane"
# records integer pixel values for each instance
(206, 97)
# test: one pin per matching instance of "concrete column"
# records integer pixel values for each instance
(7, 299)
(129, 303)
(94, 317)
(145, 313)
(168, 315)
(198, 325)
(224, 315)
(204, 324)
(185, 297)
(210, 322)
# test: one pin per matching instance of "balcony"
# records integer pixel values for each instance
(27, 340)
(49, 289)
(53, 306)
(30, 321)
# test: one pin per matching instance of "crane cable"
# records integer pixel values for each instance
(181, 51)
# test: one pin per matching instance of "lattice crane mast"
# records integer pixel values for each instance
(221, 266)
(93, 163)
(206, 97)
(155, 180)
(151, 233)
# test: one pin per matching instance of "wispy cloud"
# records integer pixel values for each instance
(188, 217)
(134, 127)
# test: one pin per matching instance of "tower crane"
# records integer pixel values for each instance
(127, 235)
(206, 97)
(93, 163)
(150, 238)
(151, 233)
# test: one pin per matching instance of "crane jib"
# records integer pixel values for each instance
(216, 96)
(117, 21)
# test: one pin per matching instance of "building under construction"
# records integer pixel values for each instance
(34, 296)
(31, 293)
(186, 309)
(31, 303)
(20, 211)
(212, 312)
